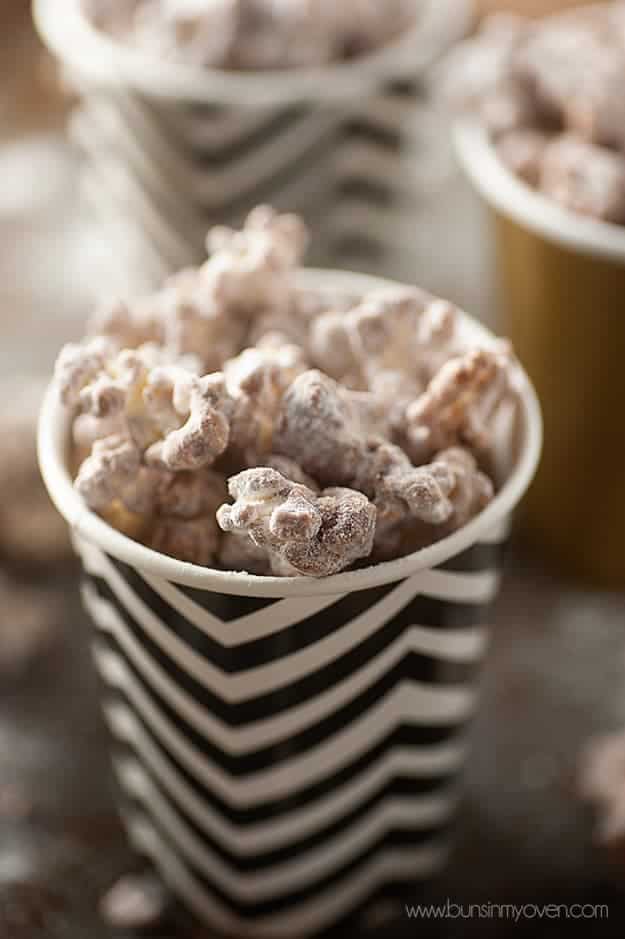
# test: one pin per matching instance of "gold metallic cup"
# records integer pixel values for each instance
(562, 288)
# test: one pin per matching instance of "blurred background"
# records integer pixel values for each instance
(556, 674)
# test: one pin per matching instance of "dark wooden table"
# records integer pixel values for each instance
(555, 674)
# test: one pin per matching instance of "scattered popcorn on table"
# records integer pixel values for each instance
(369, 435)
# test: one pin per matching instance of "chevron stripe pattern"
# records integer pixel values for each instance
(282, 761)
(174, 169)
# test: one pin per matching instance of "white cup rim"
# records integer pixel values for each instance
(81, 46)
(52, 447)
(503, 190)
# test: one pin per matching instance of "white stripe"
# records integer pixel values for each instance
(499, 532)
(410, 864)
(295, 873)
(477, 587)
(301, 772)
(437, 701)
(296, 825)
(246, 628)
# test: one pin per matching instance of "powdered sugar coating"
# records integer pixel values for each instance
(457, 406)
(584, 177)
(302, 533)
(204, 435)
(398, 330)
(320, 428)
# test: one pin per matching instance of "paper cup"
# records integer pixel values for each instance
(206, 145)
(290, 749)
(562, 285)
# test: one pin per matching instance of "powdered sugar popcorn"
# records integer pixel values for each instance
(254, 34)
(290, 434)
(550, 93)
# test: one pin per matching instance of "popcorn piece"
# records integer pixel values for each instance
(190, 31)
(193, 540)
(114, 473)
(237, 552)
(256, 381)
(195, 322)
(602, 784)
(205, 434)
(129, 326)
(291, 470)
(190, 495)
(185, 505)
(79, 365)
(249, 271)
(472, 490)
(320, 428)
(480, 67)
(401, 329)
(522, 151)
(302, 533)
(458, 403)
(584, 178)
(135, 902)
(558, 59)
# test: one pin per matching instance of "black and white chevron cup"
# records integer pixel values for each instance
(172, 150)
(288, 749)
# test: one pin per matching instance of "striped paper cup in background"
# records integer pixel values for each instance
(289, 749)
(173, 150)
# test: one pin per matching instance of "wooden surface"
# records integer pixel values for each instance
(555, 673)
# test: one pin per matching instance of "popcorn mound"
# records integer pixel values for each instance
(550, 94)
(254, 34)
(344, 429)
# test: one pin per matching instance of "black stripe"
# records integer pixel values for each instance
(299, 635)
(425, 668)
(232, 152)
(405, 737)
(366, 129)
(224, 607)
(369, 191)
(358, 246)
(290, 747)
(405, 88)
(478, 558)
(199, 110)
(400, 788)
(253, 910)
